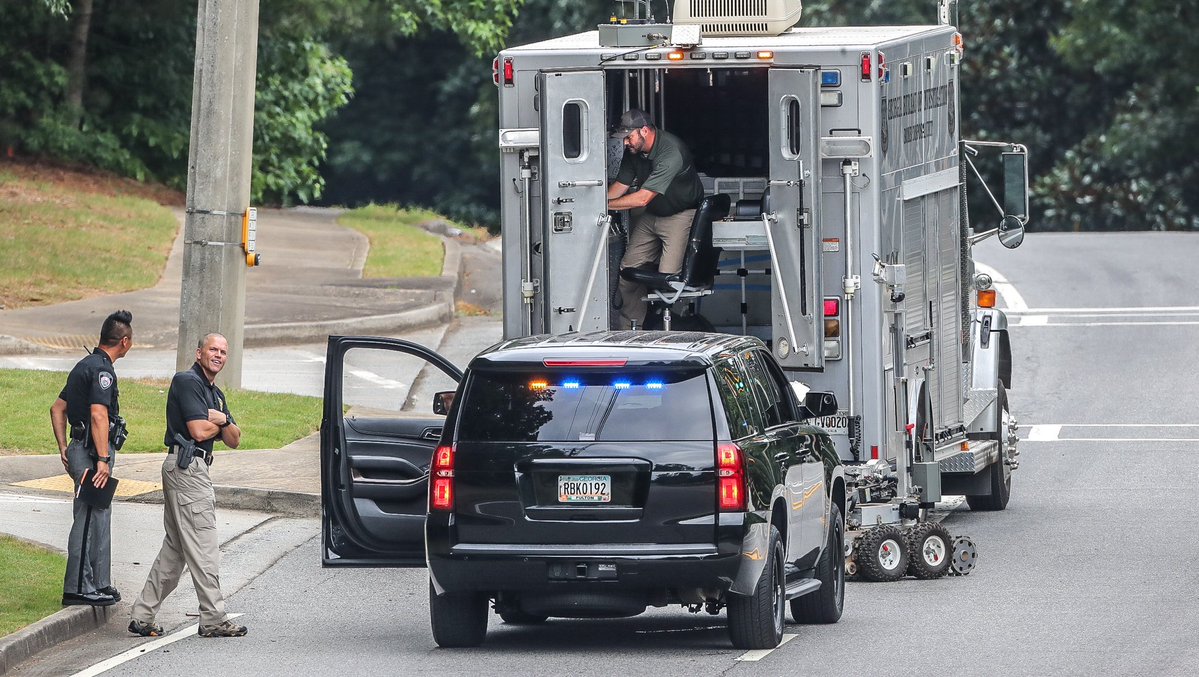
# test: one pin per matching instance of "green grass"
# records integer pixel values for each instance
(267, 420)
(30, 583)
(398, 247)
(59, 244)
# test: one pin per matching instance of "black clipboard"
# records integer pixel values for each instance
(90, 495)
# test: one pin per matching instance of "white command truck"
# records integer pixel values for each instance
(842, 242)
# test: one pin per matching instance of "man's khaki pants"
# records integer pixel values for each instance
(652, 238)
(189, 516)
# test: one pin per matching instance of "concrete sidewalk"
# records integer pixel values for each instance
(309, 286)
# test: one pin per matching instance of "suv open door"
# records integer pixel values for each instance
(376, 450)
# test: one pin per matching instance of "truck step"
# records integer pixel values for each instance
(800, 588)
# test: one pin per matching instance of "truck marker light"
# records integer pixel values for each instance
(765, 55)
(509, 72)
(832, 307)
(495, 71)
(832, 328)
(731, 475)
(441, 494)
(586, 363)
(986, 298)
(867, 67)
(874, 452)
(675, 56)
(884, 73)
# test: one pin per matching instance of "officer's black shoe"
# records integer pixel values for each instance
(111, 591)
(88, 599)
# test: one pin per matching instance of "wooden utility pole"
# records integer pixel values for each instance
(218, 181)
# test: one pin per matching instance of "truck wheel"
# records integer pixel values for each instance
(756, 620)
(825, 605)
(999, 473)
(931, 549)
(882, 554)
(458, 618)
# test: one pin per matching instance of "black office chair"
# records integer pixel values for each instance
(699, 262)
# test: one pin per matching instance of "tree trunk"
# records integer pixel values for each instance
(77, 61)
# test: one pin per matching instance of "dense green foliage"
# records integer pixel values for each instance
(136, 79)
(1099, 91)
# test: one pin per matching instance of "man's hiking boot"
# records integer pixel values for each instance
(223, 629)
(147, 629)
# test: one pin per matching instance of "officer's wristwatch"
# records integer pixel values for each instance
(228, 422)
(104, 459)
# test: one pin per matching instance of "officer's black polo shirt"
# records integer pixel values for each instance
(189, 399)
(92, 381)
(667, 170)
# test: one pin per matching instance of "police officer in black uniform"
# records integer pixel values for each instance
(89, 405)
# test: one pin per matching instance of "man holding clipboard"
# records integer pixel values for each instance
(89, 404)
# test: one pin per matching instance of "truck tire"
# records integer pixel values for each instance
(756, 620)
(825, 605)
(999, 473)
(459, 619)
(882, 554)
(931, 549)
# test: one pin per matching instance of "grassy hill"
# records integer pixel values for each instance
(67, 234)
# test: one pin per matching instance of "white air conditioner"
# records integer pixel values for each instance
(738, 17)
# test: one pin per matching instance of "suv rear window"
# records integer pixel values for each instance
(624, 405)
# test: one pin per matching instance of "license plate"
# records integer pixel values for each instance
(834, 425)
(584, 488)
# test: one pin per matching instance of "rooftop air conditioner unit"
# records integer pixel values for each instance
(738, 17)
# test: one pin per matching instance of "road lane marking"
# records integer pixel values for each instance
(1108, 311)
(1011, 298)
(1044, 433)
(25, 498)
(372, 377)
(142, 649)
(1162, 323)
(1033, 321)
(758, 654)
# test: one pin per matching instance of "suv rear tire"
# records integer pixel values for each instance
(756, 620)
(825, 605)
(459, 619)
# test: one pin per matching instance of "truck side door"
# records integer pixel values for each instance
(794, 97)
(574, 194)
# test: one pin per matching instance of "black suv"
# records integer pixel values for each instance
(594, 475)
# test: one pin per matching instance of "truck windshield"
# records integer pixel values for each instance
(593, 407)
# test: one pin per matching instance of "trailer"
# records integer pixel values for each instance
(844, 242)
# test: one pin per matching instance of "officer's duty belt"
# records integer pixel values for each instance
(78, 432)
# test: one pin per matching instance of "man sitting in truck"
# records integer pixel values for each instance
(666, 190)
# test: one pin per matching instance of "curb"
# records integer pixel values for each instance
(273, 501)
(51, 630)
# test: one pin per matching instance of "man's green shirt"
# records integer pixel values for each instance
(668, 171)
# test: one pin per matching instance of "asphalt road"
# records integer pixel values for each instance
(1090, 570)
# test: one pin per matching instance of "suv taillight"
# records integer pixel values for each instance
(441, 491)
(730, 473)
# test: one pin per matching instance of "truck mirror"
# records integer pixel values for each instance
(1011, 232)
(1015, 185)
(442, 402)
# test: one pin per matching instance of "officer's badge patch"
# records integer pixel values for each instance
(105, 381)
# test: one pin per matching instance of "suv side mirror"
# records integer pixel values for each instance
(442, 402)
(816, 405)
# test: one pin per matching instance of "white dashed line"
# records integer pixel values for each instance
(758, 654)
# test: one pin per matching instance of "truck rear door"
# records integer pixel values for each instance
(794, 96)
(574, 194)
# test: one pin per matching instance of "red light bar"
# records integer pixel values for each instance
(586, 363)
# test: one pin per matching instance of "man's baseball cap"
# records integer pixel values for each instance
(632, 120)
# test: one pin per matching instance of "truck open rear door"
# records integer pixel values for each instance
(574, 194)
(791, 226)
